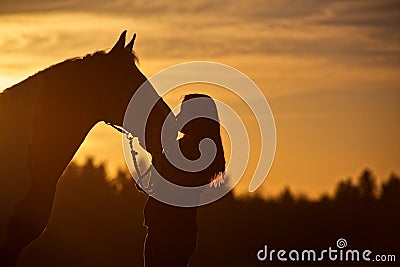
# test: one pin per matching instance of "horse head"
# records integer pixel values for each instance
(126, 79)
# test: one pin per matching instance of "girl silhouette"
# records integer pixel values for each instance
(172, 231)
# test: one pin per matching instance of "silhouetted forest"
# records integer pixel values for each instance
(97, 221)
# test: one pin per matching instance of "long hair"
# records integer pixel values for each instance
(204, 125)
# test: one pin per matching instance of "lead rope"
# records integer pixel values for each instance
(149, 188)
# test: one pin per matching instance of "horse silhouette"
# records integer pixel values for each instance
(45, 118)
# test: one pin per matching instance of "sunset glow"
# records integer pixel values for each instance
(330, 71)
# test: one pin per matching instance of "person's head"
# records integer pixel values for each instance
(205, 124)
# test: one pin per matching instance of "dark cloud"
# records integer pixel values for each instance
(357, 13)
(384, 14)
(26, 6)
(251, 10)
(212, 28)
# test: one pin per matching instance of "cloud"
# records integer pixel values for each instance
(351, 33)
(378, 14)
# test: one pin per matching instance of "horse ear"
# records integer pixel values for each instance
(129, 47)
(119, 45)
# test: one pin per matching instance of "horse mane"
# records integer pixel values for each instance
(87, 59)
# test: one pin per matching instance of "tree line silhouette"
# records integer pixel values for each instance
(97, 220)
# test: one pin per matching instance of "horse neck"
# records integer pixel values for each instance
(61, 124)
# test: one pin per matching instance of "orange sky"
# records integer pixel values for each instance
(329, 69)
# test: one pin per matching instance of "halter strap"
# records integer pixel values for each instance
(134, 153)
